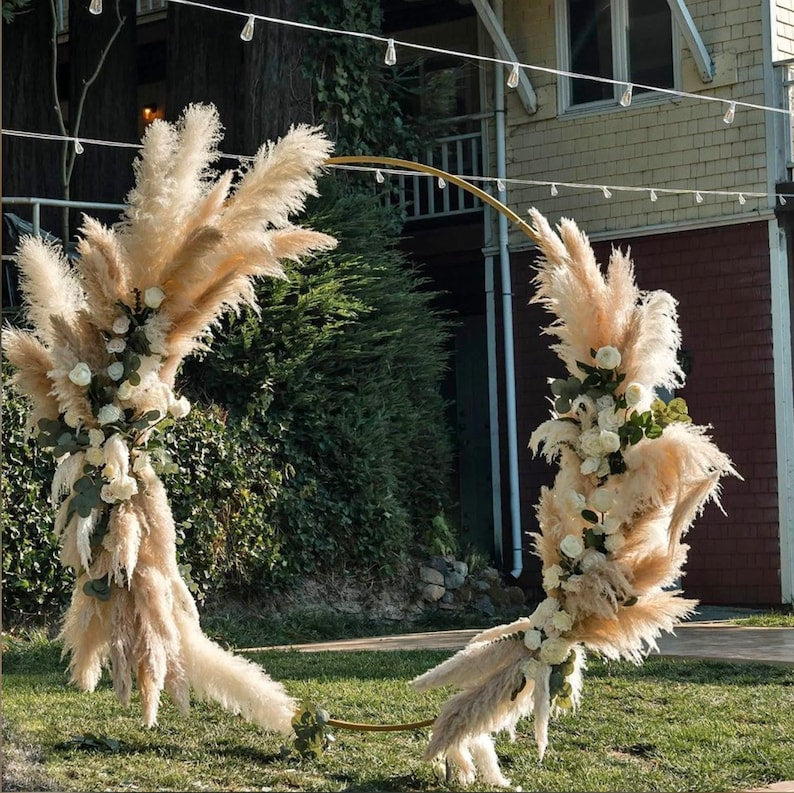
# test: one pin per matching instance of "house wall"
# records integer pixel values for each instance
(783, 30)
(721, 279)
(669, 142)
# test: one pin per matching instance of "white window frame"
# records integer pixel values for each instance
(620, 63)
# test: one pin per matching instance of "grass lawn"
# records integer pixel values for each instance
(670, 725)
(772, 619)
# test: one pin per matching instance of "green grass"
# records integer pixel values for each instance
(773, 619)
(669, 725)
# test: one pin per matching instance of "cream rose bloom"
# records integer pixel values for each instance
(607, 357)
(179, 408)
(605, 402)
(572, 546)
(635, 393)
(80, 375)
(554, 651)
(602, 499)
(610, 441)
(591, 558)
(96, 437)
(562, 621)
(72, 419)
(590, 465)
(108, 414)
(125, 390)
(94, 456)
(124, 487)
(574, 502)
(610, 420)
(116, 345)
(544, 611)
(551, 576)
(153, 296)
(106, 494)
(590, 443)
(121, 324)
(532, 639)
(116, 371)
(572, 583)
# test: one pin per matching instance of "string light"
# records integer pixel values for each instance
(500, 186)
(654, 197)
(730, 113)
(379, 177)
(512, 80)
(95, 7)
(441, 183)
(391, 53)
(742, 199)
(247, 33)
(499, 182)
(783, 201)
(625, 99)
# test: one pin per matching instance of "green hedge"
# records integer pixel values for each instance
(317, 440)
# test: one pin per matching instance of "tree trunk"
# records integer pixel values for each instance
(110, 111)
(257, 86)
(30, 167)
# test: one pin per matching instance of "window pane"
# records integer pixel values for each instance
(650, 43)
(590, 34)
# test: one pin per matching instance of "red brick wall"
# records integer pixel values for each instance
(721, 279)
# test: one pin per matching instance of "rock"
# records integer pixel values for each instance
(432, 592)
(447, 597)
(454, 580)
(490, 574)
(431, 576)
(499, 595)
(463, 595)
(449, 606)
(516, 595)
(481, 586)
(460, 567)
(438, 563)
(484, 605)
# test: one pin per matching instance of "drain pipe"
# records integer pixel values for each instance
(507, 321)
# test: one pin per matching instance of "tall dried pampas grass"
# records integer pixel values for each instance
(98, 367)
(634, 473)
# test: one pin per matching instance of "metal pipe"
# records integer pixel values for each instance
(507, 322)
(37, 219)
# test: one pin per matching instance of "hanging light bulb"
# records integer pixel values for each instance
(742, 199)
(95, 7)
(698, 197)
(730, 113)
(78, 147)
(607, 192)
(654, 197)
(512, 80)
(441, 183)
(500, 185)
(554, 190)
(247, 33)
(783, 201)
(391, 53)
(625, 100)
(379, 178)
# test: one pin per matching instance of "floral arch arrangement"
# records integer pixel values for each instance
(98, 366)
(634, 473)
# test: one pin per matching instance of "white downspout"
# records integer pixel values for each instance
(507, 321)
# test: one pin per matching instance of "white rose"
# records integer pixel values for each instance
(96, 437)
(602, 499)
(106, 494)
(607, 358)
(121, 324)
(572, 546)
(124, 390)
(109, 414)
(591, 559)
(610, 441)
(551, 576)
(603, 468)
(605, 402)
(635, 393)
(116, 371)
(116, 345)
(81, 374)
(574, 502)
(572, 584)
(590, 465)
(124, 487)
(562, 621)
(590, 443)
(179, 408)
(545, 611)
(608, 419)
(72, 419)
(614, 542)
(554, 651)
(532, 639)
(153, 296)
(94, 456)
(610, 525)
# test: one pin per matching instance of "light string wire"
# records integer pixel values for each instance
(388, 40)
(490, 180)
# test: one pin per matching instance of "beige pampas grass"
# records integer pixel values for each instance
(630, 483)
(98, 367)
